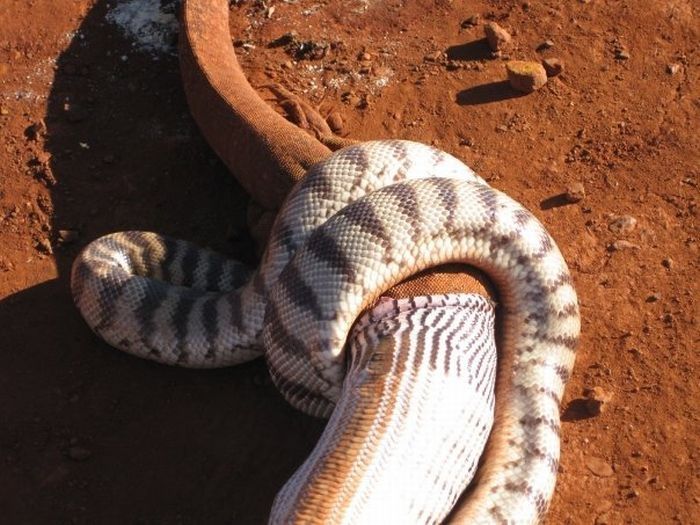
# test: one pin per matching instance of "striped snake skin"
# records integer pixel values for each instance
(411, 422)
(368, 217)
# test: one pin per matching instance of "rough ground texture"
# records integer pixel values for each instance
(91, 435)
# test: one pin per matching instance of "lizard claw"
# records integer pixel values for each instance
(307, 117)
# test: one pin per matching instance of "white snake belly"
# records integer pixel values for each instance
(360, 222)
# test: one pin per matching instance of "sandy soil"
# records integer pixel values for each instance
(96, 137)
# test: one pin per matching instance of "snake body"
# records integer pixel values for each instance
(360, 222)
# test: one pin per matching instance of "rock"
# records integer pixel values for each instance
(622, 54)
(574, 192)
(596, 399)
(667, 263)
(497, 37)
(79, 453)
(547, 44)
(599, 467)
(672, 69)
(472, 21)
(45, 246)
(622, 245)
(435, 56)
(622, 224)
(553, 66)
(526, 76)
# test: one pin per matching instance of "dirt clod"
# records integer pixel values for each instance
(473, 20)
(599, 467)
(547, 44)
(526, 76)
(574, 192)
(652, 298)
(622, 224)
(621, 245)
(596, 400)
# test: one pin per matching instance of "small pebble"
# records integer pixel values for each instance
(596, 399)
(633, 493)
(623, 245)
(653, 298)
(497, 37)
(45, 246)
(526, 76)
(599, 467)
(553, 66)
(622, 224)
(547, 44)
(79, 453)
(471, 21)
(574, 192)
(672, 69)
(435, 56)
(667, 263)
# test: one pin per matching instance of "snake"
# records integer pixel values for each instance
(361, 221)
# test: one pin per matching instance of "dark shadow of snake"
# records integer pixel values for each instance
(167, 444)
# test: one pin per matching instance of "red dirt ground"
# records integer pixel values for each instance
(96, 137)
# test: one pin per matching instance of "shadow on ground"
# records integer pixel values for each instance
(91, 435)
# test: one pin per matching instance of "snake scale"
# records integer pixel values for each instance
(361, 221)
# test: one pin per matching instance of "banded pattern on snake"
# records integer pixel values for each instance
(360, 222)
